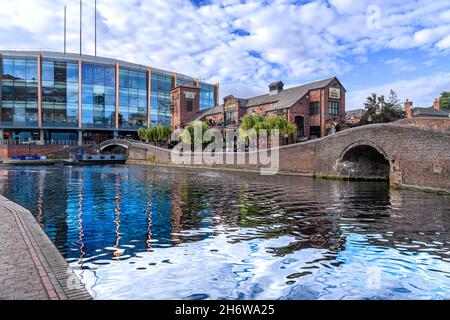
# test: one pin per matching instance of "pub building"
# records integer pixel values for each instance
(312, 107)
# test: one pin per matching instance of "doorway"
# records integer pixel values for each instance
(300, 123)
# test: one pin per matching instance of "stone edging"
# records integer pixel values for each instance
(58, 278)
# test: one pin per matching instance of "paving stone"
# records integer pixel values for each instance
(31, 268)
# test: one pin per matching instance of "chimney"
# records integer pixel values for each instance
(437, 104)
(408, 105)
(276, 87)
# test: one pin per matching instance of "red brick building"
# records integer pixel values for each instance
(312, 107)
(185, 104)
(432, 112)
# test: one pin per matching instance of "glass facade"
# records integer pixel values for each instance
(59, 94)
(182, 79)
(19, 92)
(206, 96)
(160, 112)
(98, 94)
(62, 93)
(132, 99)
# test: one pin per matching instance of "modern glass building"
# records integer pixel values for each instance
(50, 96)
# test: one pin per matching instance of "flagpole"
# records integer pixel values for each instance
(95, 8)
(81, 25)
(65, 28)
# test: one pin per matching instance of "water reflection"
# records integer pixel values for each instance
(136, 232)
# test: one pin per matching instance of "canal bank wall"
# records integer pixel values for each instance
(31, 267)
(412, 156)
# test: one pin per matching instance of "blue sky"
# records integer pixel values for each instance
(370, 45)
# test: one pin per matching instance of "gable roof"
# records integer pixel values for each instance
(186, 84)
(208, 112)
(430, 112)
(288, 97)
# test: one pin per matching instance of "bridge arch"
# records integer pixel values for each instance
(114, 146)
(364, 160)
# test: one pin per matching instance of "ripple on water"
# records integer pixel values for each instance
(162, 233)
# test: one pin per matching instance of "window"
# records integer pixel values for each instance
(19, 92)
(207, 93)
(334, 107)
(98, 105)
(59, 94)
(160, 112)
(189, 105)
(314, 108)
(132, 99)
(230, 117)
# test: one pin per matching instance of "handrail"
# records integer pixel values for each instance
(13, 142)
(29, 49)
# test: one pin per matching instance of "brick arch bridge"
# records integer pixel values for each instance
(406, 153)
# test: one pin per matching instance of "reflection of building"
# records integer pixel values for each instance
(310, 106)
(56, 96)
(435, 111)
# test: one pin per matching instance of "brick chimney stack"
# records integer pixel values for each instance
(408, 105)
(437, 104)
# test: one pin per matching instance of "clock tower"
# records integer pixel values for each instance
(185, 104)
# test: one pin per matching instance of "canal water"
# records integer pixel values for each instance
(158, 233)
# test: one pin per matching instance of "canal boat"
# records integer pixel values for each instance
(33, 160)
(28, 162)
(96, 159)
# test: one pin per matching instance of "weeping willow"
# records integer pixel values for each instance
(189, 133)
(254, 123)
(155, 134)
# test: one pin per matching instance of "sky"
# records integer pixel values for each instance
(370, 45)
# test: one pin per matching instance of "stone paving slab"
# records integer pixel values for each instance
(31, 267)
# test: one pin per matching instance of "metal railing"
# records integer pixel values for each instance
(19, 142)
(30, 49)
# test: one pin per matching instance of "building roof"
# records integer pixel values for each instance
(87, 59)
(282, 100)
(276, 84)
(288, 97)
(186, 84)
(208, 112)
(430, 112)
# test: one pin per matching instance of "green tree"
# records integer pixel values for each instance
(142, 134)
(155, 134)
(258, 122)
(188, 134)
(380, 110)
(372, 109)
(392, 109)
(282, 124)
(445, 100)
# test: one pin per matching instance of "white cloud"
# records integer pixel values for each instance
(444, 43)
(286, 40)
(400, 65)
(417, 90)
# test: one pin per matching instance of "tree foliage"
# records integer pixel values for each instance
(188, 134)
(142, 134)
(155, 134)
(258, 122)
(378, 109)
(445, 100)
